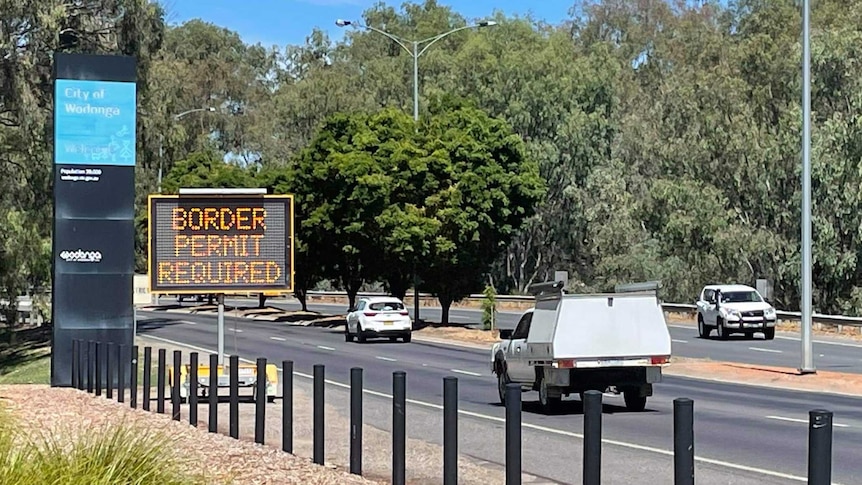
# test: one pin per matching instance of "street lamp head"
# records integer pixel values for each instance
(487, 23)
(343, 23)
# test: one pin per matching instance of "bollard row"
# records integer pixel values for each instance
(95, 364)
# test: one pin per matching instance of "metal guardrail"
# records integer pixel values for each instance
(668, 307)
(25, 305)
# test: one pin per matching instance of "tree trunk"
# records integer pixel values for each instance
(398, 286)
(445, 303)
(352, 289)
(261, 300)
(301, 294)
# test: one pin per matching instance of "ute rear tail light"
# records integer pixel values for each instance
(659, 359)
(566, 364)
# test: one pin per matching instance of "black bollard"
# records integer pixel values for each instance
(82, 362)
(592, 437)
(450, 430)
(212, 423)
(133, 374)
(160, 379)
(819, 447)
(260, 402)
(175, 392)
(287, 406)
(513, 434)
(91, 360)
(318, 413)
(356, 421)
(75, 364)
(399, 431)
(121, 373)
(683, 441)
(234, 396)
(148, 365)
(193, 389)
(109, 370)
(98, 359)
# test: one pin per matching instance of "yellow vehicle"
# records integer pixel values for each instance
(247, 374)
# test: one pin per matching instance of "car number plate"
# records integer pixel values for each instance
(388, 322)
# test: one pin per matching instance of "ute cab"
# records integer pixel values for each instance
(733, 309)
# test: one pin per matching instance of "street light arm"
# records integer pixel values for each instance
(387, 34)
(432, 40)
(178, 116)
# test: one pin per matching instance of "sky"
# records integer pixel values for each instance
(282, 22)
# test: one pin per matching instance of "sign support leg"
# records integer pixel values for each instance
(221, 328)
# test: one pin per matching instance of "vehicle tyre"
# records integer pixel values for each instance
(502, 381)
(347, 336)
(702, 330)
(408, 337)
(769, 333)
(634, 401)
(548, 403)
(720, 330)
(360, 335)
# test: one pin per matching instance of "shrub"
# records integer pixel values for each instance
(106, 455)
(489, 308)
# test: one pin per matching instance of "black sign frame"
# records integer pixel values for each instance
(202, 200)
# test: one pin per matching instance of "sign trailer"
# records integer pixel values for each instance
(205, 241)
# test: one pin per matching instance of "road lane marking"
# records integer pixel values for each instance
(679, 341)
(466, 372)
(803, 421)
(387, 359)
(236, 330)
(622, 444)
(758, 349)
(278, 338)
(323, 347)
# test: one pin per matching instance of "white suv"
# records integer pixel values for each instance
(381, 316)
(734, 309)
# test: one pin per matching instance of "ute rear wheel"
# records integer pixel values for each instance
(634, 401)
(547, 400)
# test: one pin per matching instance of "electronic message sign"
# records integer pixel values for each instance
(220, 243)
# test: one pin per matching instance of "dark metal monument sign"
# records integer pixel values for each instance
(95, 99)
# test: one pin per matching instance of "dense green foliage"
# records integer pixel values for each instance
(667, 135)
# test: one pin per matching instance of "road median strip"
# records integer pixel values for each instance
(837, 383)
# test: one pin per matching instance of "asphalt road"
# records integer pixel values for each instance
(836, 354)
(743, 434)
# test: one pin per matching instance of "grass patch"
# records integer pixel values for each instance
(25, 355)
(108, 454)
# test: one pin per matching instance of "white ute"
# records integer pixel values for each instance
(734, 309)
(615, 342)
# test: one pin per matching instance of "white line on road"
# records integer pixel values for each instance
(278, 338)
(804, 421)
(387, 359)
(622, 444)
(679, 341)
(758, 349)
(323, 347)
(236, 330)
(466, 372)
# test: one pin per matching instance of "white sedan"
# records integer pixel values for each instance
(380, 316)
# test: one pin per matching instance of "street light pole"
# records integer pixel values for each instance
(415, 53)
(805, 323)
(162, 139)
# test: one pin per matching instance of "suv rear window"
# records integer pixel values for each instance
(386, 306)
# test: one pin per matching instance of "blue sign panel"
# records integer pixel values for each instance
(94, 122)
